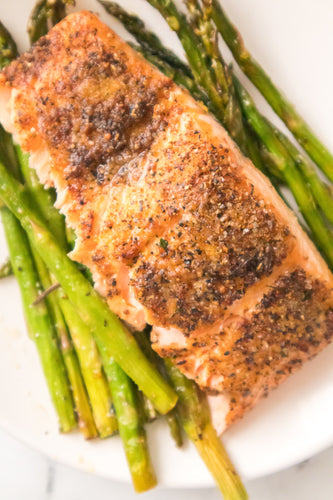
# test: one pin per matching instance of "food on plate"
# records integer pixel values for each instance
(179, 230)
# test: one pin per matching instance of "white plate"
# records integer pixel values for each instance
(293, 40)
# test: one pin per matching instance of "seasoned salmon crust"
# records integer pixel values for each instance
(179, 230)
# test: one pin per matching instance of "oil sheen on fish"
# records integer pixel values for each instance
(178, 228)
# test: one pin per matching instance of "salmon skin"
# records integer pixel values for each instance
(179, 230)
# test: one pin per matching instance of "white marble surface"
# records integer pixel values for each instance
(26, 474)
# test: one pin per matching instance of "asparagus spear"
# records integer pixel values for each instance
(286, 111)
(172, 417)
(195, 419)
(202, 25)
(43, 199)
(91, 367)
(111, 336)
(6, 269)
(45, 14)
(8, 49)
(293, 177)
(193, 49)
(80, 397)
(38, 321)
(82, 406)
(319, 189)
(207, 34)
(131, 426)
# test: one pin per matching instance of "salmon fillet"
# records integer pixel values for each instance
(179, 230)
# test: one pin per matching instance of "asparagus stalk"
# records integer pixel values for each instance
(172, 417)
(45, 14)
(8, 49)
(38, 321)
(100, 317)
(91, 367)
(207, 34)
(6, 269)
(194, 53)
(131, 426)
(320, 191)
(285, 164)
(147, 409)
(286, 111)
(195, 419)
(43, 198)
(113, 339)
(80, 397)
(202, 25)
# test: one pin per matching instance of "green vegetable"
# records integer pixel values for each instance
(286, 111)
(80, 397)
(320, 191)
(164, 244)
(38, 321)
(195, 419)
(131, 427)
(8, 49)
(45, 14)
(172, 417)
(91, 368)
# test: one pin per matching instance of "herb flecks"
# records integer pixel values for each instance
(164, 244)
